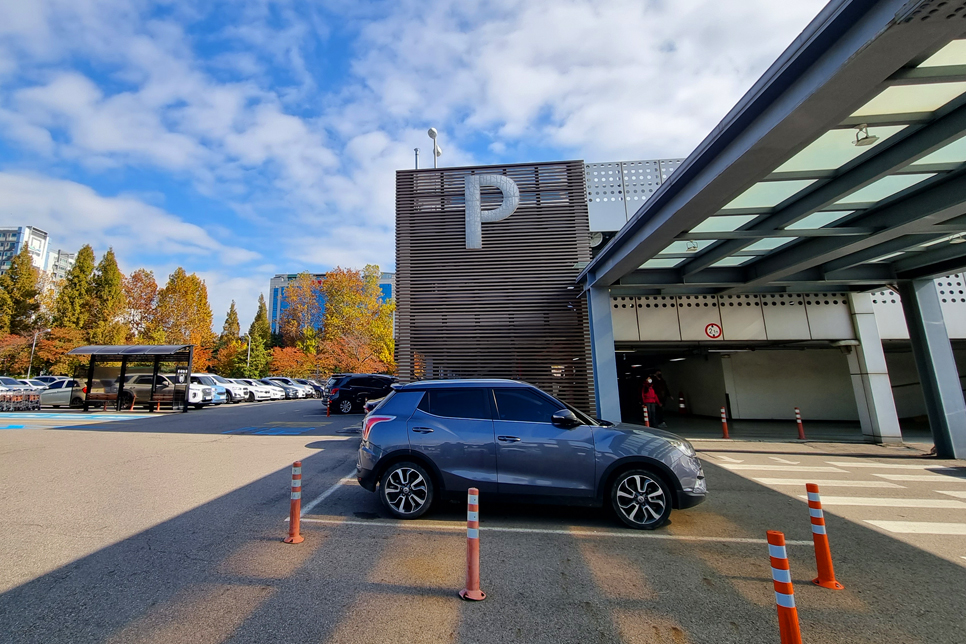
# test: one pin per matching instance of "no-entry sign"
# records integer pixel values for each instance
(713, 331)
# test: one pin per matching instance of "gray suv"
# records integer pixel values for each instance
(435, 439)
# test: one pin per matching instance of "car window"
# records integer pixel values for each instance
(143, 380)
(8, 381)
(456, 403)
(524, 405)
(56, 385)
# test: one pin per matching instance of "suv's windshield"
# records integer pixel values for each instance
(224, 381)
(8, 381)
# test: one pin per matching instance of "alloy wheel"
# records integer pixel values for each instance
(345, 406)
(641, 500)
(406, 490)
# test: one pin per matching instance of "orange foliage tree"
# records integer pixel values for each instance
(292, 362)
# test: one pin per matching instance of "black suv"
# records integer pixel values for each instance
(348, 392)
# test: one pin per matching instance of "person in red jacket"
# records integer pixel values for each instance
(650, 399)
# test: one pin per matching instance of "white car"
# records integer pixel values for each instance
(33, 385)
(236, 392)
(14, 384)
(200, 395)
(256, 390)
(63, 393)
(305, 391)
(278, 391)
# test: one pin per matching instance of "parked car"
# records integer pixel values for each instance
(257, 390)
(200, 395)
(235, 392)
(346, 393)
(435, 439)
(14, 384)
(33, 385)
(304, 391)
(311, 384)
(50, 379)
(63, 393)
(290, 391)
(219, 395)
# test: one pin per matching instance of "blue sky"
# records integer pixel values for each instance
(247, 138)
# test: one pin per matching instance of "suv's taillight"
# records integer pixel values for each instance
(372, 421)
(333, 391)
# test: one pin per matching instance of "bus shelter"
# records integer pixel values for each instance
(128, 376)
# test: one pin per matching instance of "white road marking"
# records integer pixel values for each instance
(322, 497)
(889, 503)
(785, 468)
(721, 457)
(875, 484)
(889, 466)
(934, 478)
(426, 525)
(781, 460)
(959, 494)
(920, 527)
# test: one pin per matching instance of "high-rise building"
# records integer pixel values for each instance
(279, 283)
(13, 239)
(58, 263)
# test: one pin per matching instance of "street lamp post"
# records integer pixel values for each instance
(32, 347)
(437, 151)
(248, 362)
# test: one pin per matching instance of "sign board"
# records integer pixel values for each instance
(475, 215)
(181, 375)
(713, 331)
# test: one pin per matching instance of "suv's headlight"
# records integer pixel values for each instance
(684, 446)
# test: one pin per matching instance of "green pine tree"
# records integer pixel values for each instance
(258, 365)
(261, 328)
(107, 298)
(73, 305)
(231, 329)
(20, 285)
(5, 308)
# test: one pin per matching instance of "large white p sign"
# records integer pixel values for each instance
(475, 215)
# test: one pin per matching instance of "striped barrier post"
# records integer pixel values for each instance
(682, 408)
(328, 406)
(295, 509)
(472, 591)
(784, 592)
(823, 554)
(647, 421)
(724, 424)
(801, 428)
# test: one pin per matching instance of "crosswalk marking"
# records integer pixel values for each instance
(888, 466)
(935, 478)
(782, 460)
(889, 503)
(721, 457)
(919, 527)
(874, 484)
(960, 494)
(784, 468)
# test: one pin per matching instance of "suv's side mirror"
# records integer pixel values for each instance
(565, 419)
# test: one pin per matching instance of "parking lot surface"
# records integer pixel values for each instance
(169, 529)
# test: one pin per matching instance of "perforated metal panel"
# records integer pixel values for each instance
(888, 315)
(785, 317)
(641, 180)
(829, 316)
(624, 318)
(741, 317)
(696, 313)
(952, 298)
(605, 196)
(668, 166)
(657, 318)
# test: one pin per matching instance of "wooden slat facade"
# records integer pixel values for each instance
(508, 310)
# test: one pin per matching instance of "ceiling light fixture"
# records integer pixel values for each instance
(677, 359)
(958, 239)
(862, 136)
(692, 246)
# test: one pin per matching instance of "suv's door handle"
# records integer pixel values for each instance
(508, 439)
(422, 430)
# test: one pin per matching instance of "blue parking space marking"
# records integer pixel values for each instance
(12, 427)
(14, 415)
(270, 431)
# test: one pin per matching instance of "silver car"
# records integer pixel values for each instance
(435, 439)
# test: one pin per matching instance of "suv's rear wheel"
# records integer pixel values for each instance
(406, 490)
(345, 406)
(641, 499)
(229, 398)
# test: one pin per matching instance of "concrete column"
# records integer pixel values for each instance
(936, 366)
(870, 375)
(603, 355)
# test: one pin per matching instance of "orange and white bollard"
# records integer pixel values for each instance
(647, 421)
(328, 406)
(295, 510)
(472, 591)
(823, 554)
(801, 428)
(784, 592)
(682, 408)
(724, 424)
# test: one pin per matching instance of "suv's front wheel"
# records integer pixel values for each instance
(641, 499)
(345, 405)
(406, 490)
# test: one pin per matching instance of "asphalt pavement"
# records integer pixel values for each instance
(169, 528)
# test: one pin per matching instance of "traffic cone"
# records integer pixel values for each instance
(788, 627)
(682, 408)
(823, 554)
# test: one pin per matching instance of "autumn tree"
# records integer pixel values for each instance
(14, 354)
(6, 306)
(231, 328)
(51, 354)
(292, 362)
(357, 324)
(184, 315)
(72, 307)
(20, 285)
(141, 301)
(300, 318)
(105, 324)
